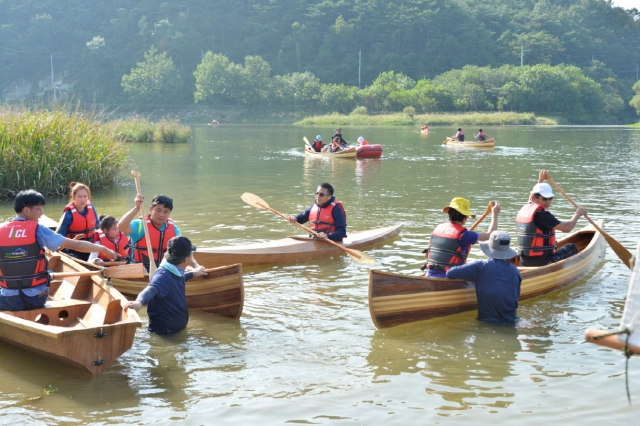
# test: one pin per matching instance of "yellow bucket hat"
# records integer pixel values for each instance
(460, 204)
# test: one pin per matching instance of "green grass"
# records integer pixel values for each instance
(139, 130)
(634, 126)
(456, 119)
(47, 150)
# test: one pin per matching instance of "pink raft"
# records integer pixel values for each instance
(369, 151)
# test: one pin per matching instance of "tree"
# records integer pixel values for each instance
(217, 78)
(635, 101)
(154, 80)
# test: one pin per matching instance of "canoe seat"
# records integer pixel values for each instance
(55, 312)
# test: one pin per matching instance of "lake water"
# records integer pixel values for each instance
(305, 350)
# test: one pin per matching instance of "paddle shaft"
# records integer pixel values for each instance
(351, 252)
(481, 218)
(152, 261)
(624, 254)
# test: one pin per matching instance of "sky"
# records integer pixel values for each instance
(627, 4)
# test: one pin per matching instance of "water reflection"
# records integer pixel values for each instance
(317, 170)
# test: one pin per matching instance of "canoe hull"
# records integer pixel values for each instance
(349, 153)
(396, 299)
(424, 132)
(83, 323)
(291, 249)
(489, 143)
(221, 292)
(369, 151)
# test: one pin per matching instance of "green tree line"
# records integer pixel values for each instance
(94, 44)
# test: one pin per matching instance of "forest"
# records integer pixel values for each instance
(579, 57)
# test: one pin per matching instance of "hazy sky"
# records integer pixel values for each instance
(627, 4)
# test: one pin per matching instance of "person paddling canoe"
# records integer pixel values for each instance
(326, 216)
(451, 242)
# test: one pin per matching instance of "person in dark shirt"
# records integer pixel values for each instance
(537, 226)
(165, 294)
(326, 216)
(338, 134)
(497, 281)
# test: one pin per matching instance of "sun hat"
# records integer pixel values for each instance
(497, 247)
(360, 139)
(460, 204)
(318, 138)
(543, 189)
(180, 247)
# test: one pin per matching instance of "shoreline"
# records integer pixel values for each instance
(436, 119)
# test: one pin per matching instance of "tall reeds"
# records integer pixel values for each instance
(140, 130)
(444, 119)
(46, 150)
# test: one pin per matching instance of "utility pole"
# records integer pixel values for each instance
(359, 66)
(522, 52)
(52, 84)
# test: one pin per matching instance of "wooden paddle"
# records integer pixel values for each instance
(306, 142)
(355, 255)
(135, 270)
(152, 261)
(624, 254)
(481, 218)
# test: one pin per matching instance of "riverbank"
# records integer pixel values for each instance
(634, 126)
(442, 119)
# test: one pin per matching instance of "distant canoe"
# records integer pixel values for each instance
(396, 299)
(369, 151)
(83, 323)
(220, 292)
(291, 249)
(348, 153)
(424, 131)
(489, 143)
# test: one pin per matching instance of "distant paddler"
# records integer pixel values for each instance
(481, 136)
(326, 216)
(451, 242)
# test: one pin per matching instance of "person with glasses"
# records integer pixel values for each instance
(24, 279)
(536, 228)
(326, 216)
(451, 242)
(165, 294)
(160, 225)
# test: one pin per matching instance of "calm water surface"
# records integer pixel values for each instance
(305, 350)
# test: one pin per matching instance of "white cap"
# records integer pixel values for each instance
(360, 139)
(543, 189)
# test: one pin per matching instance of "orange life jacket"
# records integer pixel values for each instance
(444, 249)
(121, 246)
(321, 218)
(22, 260)
(81, 225)
(159, 240)
(531, 240)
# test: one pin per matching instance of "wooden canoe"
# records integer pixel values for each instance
(489, 143)
(291, 249)
(82, 324)
(396, 299)
(348, 153)
(424, 131)
(221, 292)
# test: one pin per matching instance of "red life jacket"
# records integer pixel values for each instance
(460, 136)
(159, 240)
(121, 247)
(482, 136)
(317, 145)
(531, 240)
(22, 260)
(321, 218)
(81, 225)
(444, 247)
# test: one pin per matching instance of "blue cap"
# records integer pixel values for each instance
(318, 138)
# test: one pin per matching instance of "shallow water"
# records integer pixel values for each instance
(305, 350)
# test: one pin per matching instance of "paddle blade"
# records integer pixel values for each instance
(360, 257)
(306, 141)
(624, 254)
(253, 200)
(135, 270)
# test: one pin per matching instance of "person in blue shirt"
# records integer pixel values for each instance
(166, 294)
(24, 282)
(497, 281)
(326, 216)
(451, 242)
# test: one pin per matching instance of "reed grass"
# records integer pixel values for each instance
(46, 150)
(140, 130)
(454, 119)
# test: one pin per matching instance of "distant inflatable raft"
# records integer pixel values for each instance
(369, 151)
